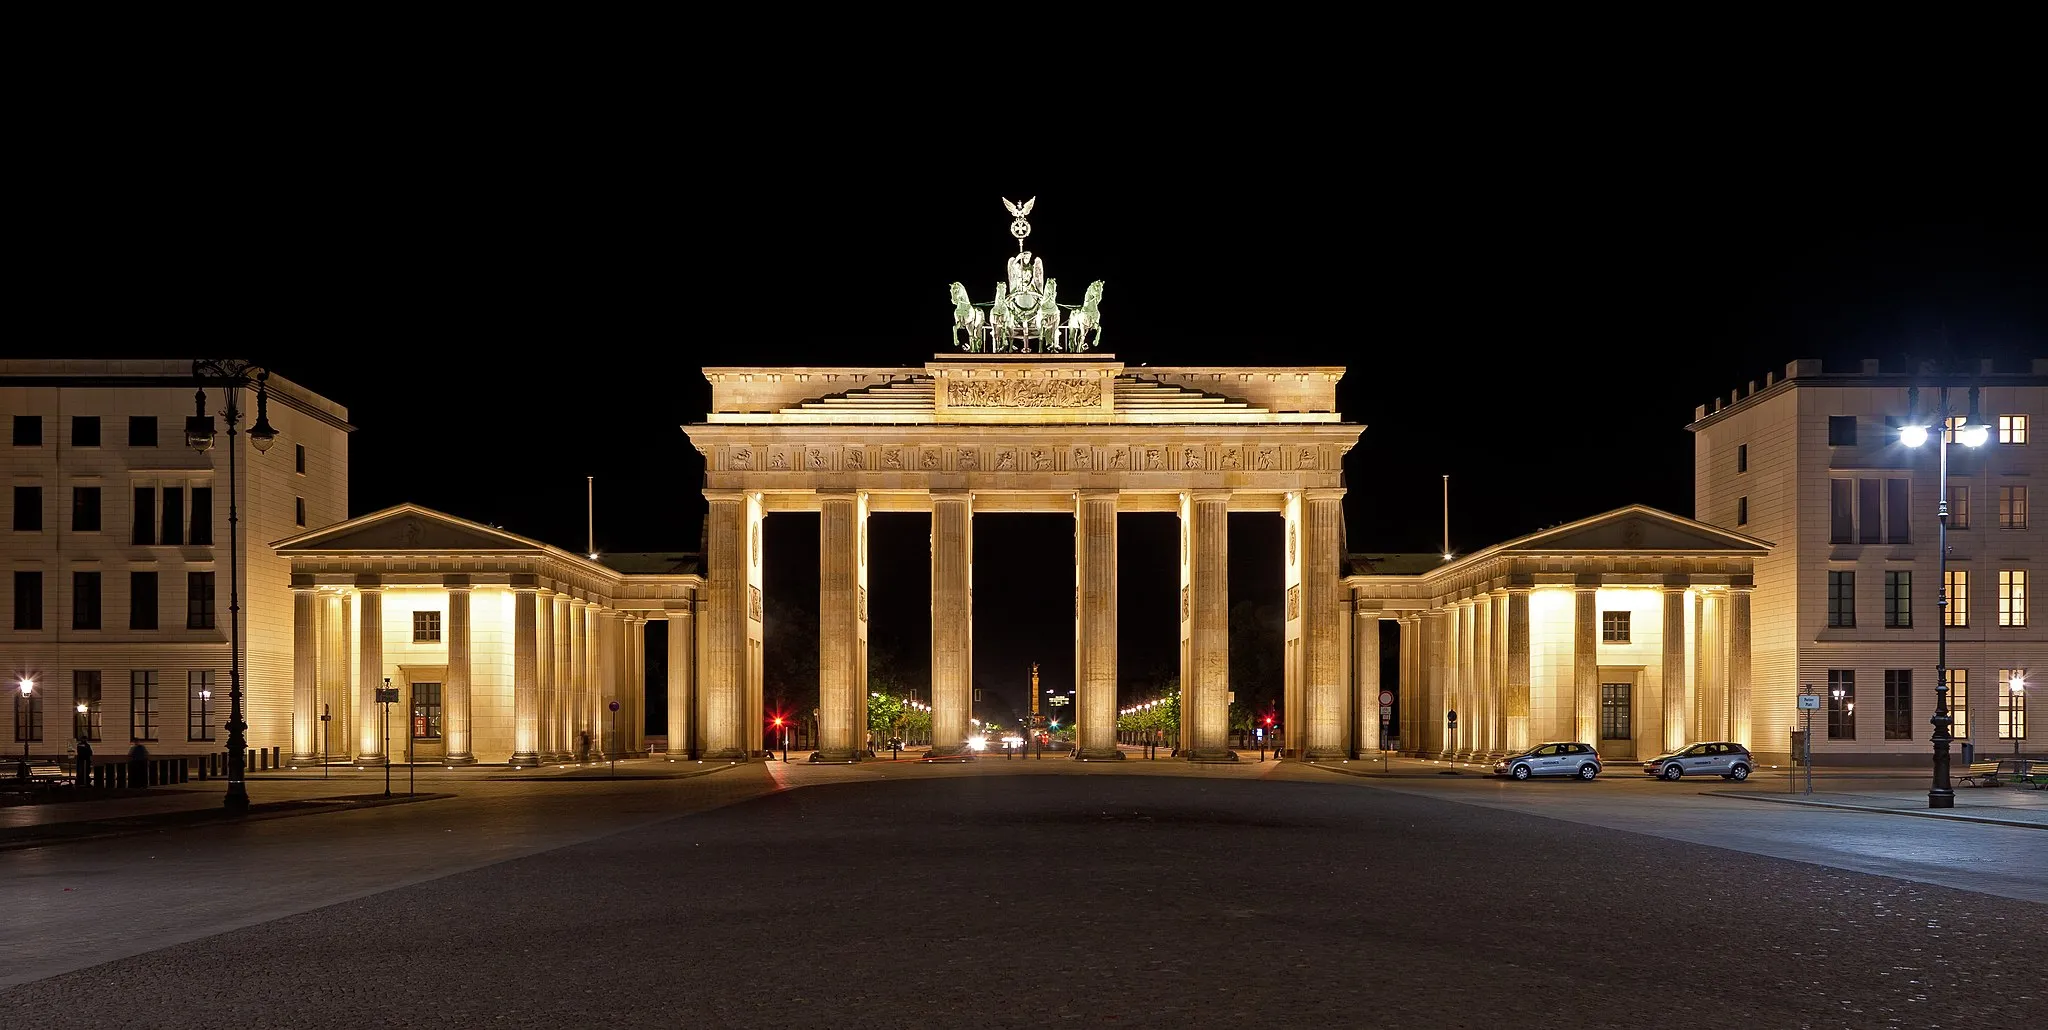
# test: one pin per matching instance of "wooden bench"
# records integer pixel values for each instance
(2034, 774)
(1987, 774)
(44, 774)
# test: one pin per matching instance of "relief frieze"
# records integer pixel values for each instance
(1024, 393)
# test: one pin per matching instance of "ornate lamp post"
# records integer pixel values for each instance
(231, 376)
(28, 690)
(1972, 431)
(2016, 717)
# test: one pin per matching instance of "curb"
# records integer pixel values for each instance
(124, 826)
(1879, 809)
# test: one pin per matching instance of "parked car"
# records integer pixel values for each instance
(1723, 758)
(1557, 758)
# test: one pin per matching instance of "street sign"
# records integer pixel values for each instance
(1809, 702)
(1386, 712)
(387, 695)
(1058, 699)
(1386, 698)
(614, 706)
(1453, 715)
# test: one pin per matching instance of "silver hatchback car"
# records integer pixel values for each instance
(1723, 758)
(1558, 758)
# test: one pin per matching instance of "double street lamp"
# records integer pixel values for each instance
(232, 376)
(1972, 431)
(26, 721)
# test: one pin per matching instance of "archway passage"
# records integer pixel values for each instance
(1263, 651)
(1023, 616)
(1148, 633)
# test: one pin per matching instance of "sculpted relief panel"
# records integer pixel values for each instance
(1024, 393)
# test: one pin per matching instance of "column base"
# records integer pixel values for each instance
(725, 754)
(1211, 755)
(299, 759)
(1331, 755)
(530, 758)
(837, 756)
(1098, 754)
(458, 760)
(371, 761)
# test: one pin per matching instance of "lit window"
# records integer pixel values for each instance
(1958, 586)
(2012, 705)
(426, 627)
(1958, 506)
(199, 704)
(2012, 429)
(1614, 627)
(1959, 701)
(1954, 423)
(1841, 704)
(2012, 597)
(2012, 507)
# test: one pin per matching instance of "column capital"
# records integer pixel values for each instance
(955, 496)
(303, 588)
(369, 581)
(455, 582)
(732, 496)
(525, 588)
(1323, 493)
(1096, 493)
(849, 496)
(577, 602)
(1199, 496)
(1524, 589)
(1741, 584)
(1678, 581)
(1586, 581)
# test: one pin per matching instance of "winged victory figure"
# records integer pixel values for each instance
(1020, 210)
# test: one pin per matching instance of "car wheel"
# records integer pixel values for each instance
(1521, 772)
(1672, 771)
(1739, 773)
(1588, 771)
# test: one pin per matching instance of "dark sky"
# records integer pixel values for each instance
(1532, 304)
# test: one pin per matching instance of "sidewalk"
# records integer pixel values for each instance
(2005, 806)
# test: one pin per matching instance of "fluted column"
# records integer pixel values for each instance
(1586, 661)
(1322, 625)
(1738, 664)
(1095, 625)
(1468, 692)
(1365, 668)
(333, 677)
(1452, 689)
(1709, 646)
(1205, 694)
(576, 707)
(636, 665)
(544, 673)
(594, 687)
(1674, 663)
(1408, 689)
(558, 738)
(1484, 693)
(370, 675)
(456, 725)
(1517, 700)
(305, 673)
(725, 626)
(952, 620)
(1497, 601)
(681, 663)
(841, 737)
(525, 677)
(1434, 732)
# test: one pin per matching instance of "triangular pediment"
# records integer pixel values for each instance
(407, 527)
(1636, 529)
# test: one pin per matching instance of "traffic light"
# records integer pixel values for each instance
(778, 721)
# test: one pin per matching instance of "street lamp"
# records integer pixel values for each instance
(231, 376)
(1972, 431)
(2016, 713)
(28, 689)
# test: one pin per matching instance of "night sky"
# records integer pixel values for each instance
(1535, 314)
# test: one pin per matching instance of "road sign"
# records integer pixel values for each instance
(1386, 698)
(1386, 712)
(387, 695)
(1453, 716)
(614, 706)
(1809, 702)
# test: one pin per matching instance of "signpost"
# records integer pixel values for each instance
(324, 739)
(614, 706)
(387, 695)
(1809, 703)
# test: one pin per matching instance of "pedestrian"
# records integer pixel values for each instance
(583, 746)
(83, 770)
(138, 765)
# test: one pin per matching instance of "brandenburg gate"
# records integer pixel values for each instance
(1025, 416)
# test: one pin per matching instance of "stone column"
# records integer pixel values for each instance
(841, 737)
(342, 731)
(1205, 701)
(1517, 700)
(595, 689)
(1586, 660)
(700, 648)
(1485, 693)
(1430, 725)
(636, 663)
(1469, 714)
(680, 664)
(576, 706)
(1674, 663)
(1095, 625)
(455, 703)
(525, 677)
(725, 625)
(1408, 689)
(1451, 694)
(1323, 624)
(1365, 666)
(1498, 601)
(370, 674)
(564, 682)
(544, 673)
(1709, 642)
(333, 678)
(1738, 664)
(305, 672)
(952, 620)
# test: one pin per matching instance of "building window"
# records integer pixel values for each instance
(1959, 701)
(28, 509)
(85, 430)
(2012, 429)
(28, 600)
(1742, 457)
(199, 704)
(1868, 513)
(142, 600)
(426, 711)
(302, 511)
(144, 531)
(85, 690)
(1841, 704)
(1898, 600)
(1898, 704)
(1614, 627)
(1958, 588)
(85, 600)
(1841, 430)
(1898, 519)
(1841, 599)
(2012, 507)
(302, 458)
(142, 702)
(426, 627)
(85, 509)
(1841, 511)
(1615, 711)
(199, 600)
(142, 430)
(2012, 705)
(1742, 511)
(28, 430)
(28, 716)
(1954, 423)
(174, 516)
(202, 516)
(2012, 597)
(1958, 506)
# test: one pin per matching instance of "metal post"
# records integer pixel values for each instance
(238, 789)
(1941, 795)
(326, 735)
(387, 746)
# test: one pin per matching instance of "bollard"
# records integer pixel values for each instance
(184, 770)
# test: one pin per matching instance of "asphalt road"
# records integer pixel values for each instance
(1274, 897)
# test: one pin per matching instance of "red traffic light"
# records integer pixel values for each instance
(1269, 720)
(778, 720)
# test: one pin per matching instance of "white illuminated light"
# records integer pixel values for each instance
(1913, 436)
(1974, 436)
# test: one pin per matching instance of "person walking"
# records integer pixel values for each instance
(83, 768)
(138, 765)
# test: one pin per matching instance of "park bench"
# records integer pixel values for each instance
(2031, 774)
(45, 774)
(1987, 774)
